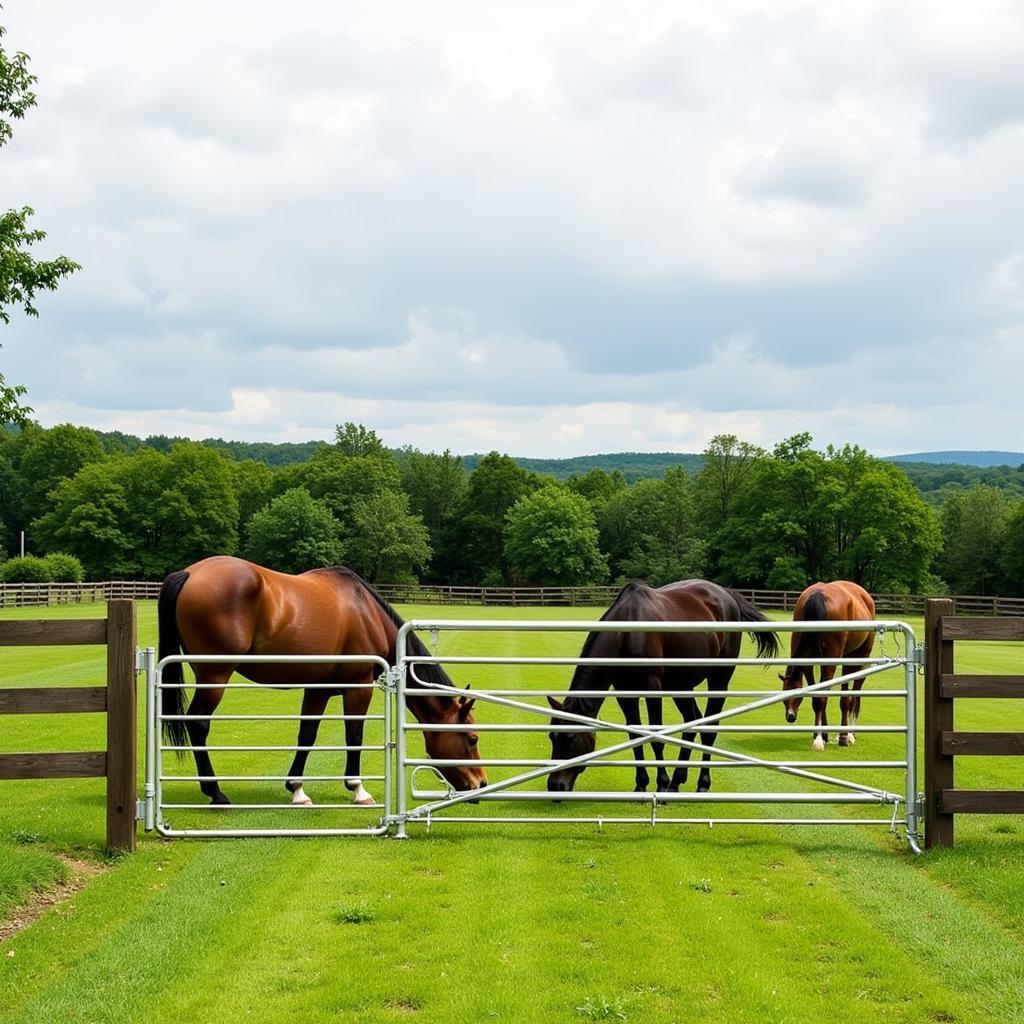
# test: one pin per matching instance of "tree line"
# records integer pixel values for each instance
(747, 517)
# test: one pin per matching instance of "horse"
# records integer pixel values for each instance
(685, 601)
(839, 601)
(225, 605)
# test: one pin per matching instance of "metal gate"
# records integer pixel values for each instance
(158, 809)
(407, 802)
(898, 804)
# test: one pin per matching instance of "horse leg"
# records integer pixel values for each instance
(631, 712)
(197, 725)
(688, 709)
(718, 679)
(314, 702)
(862, 652)
(654, 718)
(356, 701)
(820, 705)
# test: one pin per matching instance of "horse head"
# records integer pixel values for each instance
(462, 744)
(566, 745)
(792, 680)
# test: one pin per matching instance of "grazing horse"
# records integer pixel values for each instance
(228, 606)
(687, 601)
(839, 601)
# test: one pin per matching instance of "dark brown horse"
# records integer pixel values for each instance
(688, 601)
(839, 601)
(229, 606)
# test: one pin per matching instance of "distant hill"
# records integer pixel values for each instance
(963, 458)
(632, 465)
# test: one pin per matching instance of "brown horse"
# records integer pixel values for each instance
(687, 601)
(229, 606)
(839, 601)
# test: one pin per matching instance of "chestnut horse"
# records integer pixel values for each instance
(228, 606)
(839, 601)
(687, 601)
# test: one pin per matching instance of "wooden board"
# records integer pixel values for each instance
(53, 632)
(69, 765)
(964, 627)
(982, 801)
(45, 700)
(981, 686)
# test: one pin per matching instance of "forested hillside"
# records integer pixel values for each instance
(111, 506)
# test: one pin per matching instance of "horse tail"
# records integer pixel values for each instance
(172, 696)
(767, 641)
(816, 610)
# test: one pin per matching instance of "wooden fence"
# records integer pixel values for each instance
(117, 698)
(25, 595)
(943, 627)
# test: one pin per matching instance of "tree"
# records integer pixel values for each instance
(598, 487)
(727, 461)
(1013, 550)
(21, 275)
(475, 544)
(355, 440)
(974, 533)
(294, 533)
(552, 539)
(666, 543)
(50, 456)
(435, 485)
(386, 543)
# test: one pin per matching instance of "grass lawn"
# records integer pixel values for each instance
(513, 922)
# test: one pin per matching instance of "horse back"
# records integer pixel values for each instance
(836, 601)
(231, 606)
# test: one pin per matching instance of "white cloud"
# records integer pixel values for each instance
(542, 229)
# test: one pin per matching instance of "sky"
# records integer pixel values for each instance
(550, 229)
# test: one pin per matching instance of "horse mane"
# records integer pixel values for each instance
(590, 705)
(432, 675)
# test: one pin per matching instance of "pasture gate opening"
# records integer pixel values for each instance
(117, 763)
(523, 711)
(943, 686)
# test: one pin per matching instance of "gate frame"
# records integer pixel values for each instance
(638, 735)
(155, 747)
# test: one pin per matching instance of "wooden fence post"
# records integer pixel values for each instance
(122, 786)
(938, 718)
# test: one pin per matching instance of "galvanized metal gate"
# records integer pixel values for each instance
(523, 710)
(434, 807)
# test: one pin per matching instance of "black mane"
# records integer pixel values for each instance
(432, 675)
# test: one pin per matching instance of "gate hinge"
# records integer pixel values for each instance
(140, 810)
(140, 659)
(919, 656)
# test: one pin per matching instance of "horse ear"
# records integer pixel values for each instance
(556, 703)
(782, 677)
(465, 706)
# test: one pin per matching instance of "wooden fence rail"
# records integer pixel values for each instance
(942, 742)
(118, 762)
(26, 595)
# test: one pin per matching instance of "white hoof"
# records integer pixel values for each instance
(851, 738)
(818, 744)
(362, 797)
(299, 798)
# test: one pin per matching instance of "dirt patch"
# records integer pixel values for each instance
(80, 873)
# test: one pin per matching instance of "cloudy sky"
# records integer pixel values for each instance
(547, 228)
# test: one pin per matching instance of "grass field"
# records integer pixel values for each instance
(513, 922)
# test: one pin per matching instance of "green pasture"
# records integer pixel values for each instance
(513, 922)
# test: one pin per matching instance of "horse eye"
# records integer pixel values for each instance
(472, 740)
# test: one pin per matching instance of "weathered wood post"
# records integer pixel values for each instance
(938, 719)
(122, 784)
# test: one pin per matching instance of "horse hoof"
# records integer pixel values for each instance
(220, 800)
(704, 789)
(843, 741)
(301, 801)
(366, 801)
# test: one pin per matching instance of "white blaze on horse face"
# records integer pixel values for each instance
(299, 796)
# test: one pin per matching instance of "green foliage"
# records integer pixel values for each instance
(51, 456)
(64, 568)
(651, 531)
(386, 541)
(26, 569)
(435, 485)
(140, 516)
(294, 533)
(802, 515)
(357, 441)
(552, 539)
(975, 525)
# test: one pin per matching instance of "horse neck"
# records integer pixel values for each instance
(588, 677)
